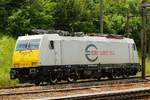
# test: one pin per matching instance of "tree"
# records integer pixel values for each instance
(20, 17)
(34, 14)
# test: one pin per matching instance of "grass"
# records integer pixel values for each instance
(7, 45)
(148, 65)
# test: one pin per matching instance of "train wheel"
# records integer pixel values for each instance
(99, 78)
(37, 82)
(125, 76)
(53, 80)
(110, 77)
(72, 78)
(21, 80)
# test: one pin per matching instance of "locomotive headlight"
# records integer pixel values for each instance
(33, 71)
(34, 63)
(16, 65)
(13, 72)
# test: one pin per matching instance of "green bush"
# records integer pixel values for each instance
(148, 65)
(7, 45)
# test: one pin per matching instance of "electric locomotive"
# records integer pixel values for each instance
(52, 58)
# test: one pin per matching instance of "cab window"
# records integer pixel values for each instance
(22, 45)
(34, 44)
(28, 44)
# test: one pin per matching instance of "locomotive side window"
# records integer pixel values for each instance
(51, 45)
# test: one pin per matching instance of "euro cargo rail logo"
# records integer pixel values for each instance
(92, 52)
(89, 55)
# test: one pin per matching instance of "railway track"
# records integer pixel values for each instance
(63, 88)
(76, 88)
(106, 95)
(103, 81)
(132, 94)
(16, 86)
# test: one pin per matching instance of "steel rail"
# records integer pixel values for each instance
(66, 89)
(101, 82)
(108, 95)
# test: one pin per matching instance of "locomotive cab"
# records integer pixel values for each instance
(32, 56)
(26, 56)
(26, 53)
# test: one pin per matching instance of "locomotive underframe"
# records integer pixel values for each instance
(63, 72)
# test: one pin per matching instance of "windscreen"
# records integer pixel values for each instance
(22, 45)
(28, 44)
(34, 44)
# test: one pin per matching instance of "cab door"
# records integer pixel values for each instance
(57, 52)
(52, 53)
(47, 52)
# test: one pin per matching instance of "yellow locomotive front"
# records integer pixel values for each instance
(25, 57)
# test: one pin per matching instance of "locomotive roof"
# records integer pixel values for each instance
(70, 38)
(95, 38)
(28, 37)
